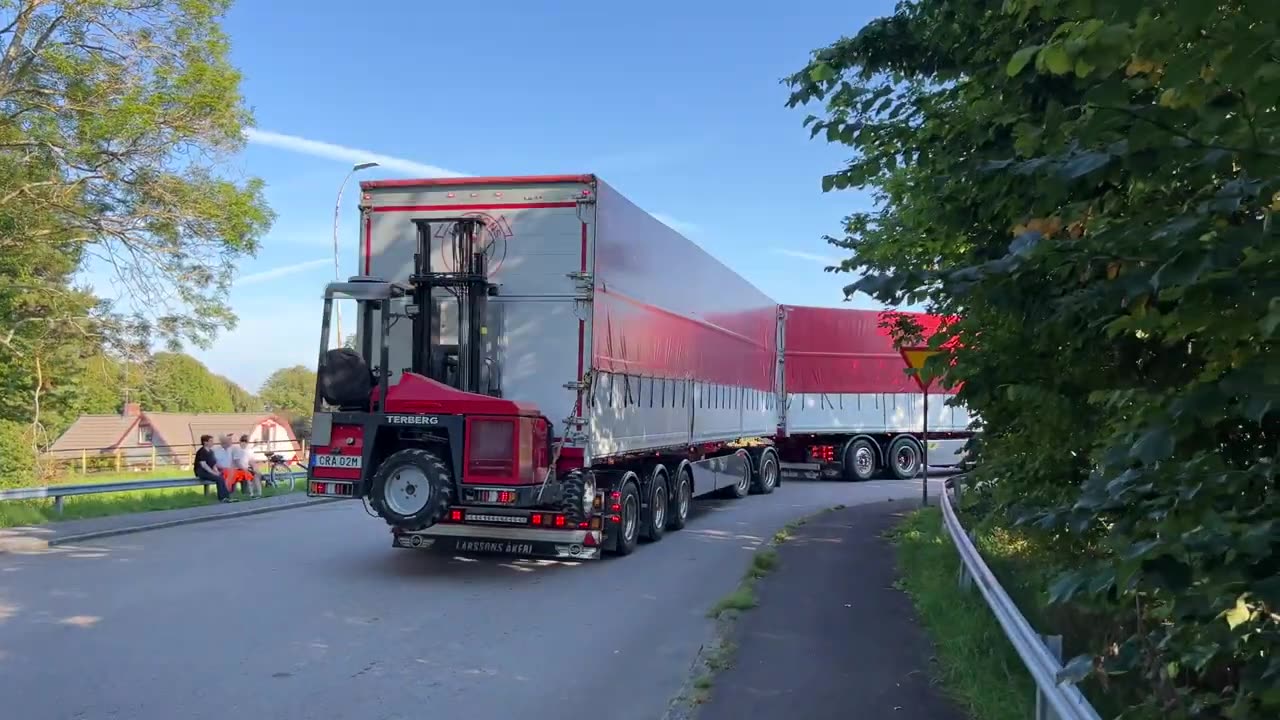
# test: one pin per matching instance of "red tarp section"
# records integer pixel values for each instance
(838, 350)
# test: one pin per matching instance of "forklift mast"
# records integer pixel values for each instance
(466, 279)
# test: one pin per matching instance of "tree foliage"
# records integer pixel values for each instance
(290, 390)
(1092, 187)
(179, 383)
(113, 117)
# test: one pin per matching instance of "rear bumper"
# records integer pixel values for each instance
(534, 542)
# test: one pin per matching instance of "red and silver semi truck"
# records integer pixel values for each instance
(848, 410)
(543, 368)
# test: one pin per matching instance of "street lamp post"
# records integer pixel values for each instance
(337, 212)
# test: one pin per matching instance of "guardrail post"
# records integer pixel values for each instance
(57, 504)
(966, 579)
(1043, 710)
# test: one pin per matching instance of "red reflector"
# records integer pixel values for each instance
(584, 524)
(615, 508)
(615, 495)
(506, 496)
(589, 540)
(559, 521)
(455, 515)
(615, 519)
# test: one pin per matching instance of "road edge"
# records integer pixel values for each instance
(30, 544)
(716, 652)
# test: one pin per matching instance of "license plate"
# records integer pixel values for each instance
(494, 546)
(338, 461)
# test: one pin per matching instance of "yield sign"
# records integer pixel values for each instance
(915, 358)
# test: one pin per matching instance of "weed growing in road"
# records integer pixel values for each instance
(742, 598)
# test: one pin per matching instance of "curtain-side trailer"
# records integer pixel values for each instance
(541, 367)
(848, 409)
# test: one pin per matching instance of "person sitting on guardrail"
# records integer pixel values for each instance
(206, 468)
(242, 458)
(224, 453)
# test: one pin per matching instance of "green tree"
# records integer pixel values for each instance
(1091, 187)
(290, 390)
(176, 382)
(113, 119)
(242, 401)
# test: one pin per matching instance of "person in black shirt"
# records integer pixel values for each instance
(206, 468)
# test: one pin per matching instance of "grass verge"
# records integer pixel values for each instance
(17, 513)
(977, 665)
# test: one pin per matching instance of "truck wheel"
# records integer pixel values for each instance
(743, 487)
(766, 477)
(629, 522)
(574, 500)
(904, 458)
(681, 499)
(655, 519)
(411, 489)
(860, 460)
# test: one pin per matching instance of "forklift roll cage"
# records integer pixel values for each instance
(469, 284)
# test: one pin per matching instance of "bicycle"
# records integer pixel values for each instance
(279, 473)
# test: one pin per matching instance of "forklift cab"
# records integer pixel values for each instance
(448, 316)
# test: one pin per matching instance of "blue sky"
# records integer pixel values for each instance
(677, 105)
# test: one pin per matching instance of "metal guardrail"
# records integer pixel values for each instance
(58, 492)
(1057, 697)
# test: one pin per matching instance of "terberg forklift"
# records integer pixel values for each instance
(439, 455)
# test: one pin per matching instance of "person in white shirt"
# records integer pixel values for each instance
(242, 458)
(224, 456)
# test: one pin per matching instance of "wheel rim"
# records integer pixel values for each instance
(408, 491)
(630, 510)
(745, 483)
(686, 497)
(863, 460)
(906, 459)
(769, 474)
(659, 507)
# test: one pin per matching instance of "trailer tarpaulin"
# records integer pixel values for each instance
(838, 350)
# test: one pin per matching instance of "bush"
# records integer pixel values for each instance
(17, 458)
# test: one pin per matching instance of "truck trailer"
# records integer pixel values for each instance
(541, 368)
(847, 407)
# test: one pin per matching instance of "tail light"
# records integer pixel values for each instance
(823, 453)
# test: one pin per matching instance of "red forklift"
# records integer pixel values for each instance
(438, 454)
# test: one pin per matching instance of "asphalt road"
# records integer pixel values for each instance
(310, 613)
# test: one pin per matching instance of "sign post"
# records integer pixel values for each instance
(915, 358)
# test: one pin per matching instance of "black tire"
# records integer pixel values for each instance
(628, 535)
(743, 487)
(400, 508)
(904, 458)
(765, 478)
(572, 488)
(681, 499)
(860, 461)
(655, 518)
(344, 379)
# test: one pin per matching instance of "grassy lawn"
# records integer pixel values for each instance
(35, 512)
(978, 666)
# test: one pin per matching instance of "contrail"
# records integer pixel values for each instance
(329, 151)
(281, 271)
